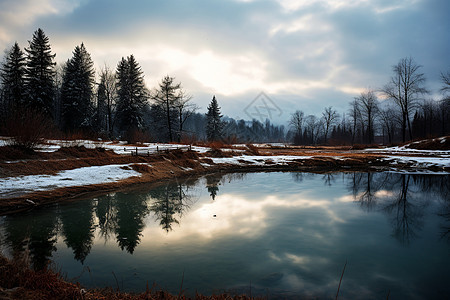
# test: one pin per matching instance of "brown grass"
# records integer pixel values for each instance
(18, 281)
(252, 150)
(432, 144)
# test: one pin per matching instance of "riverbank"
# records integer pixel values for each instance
(18, 281)
(67, 173)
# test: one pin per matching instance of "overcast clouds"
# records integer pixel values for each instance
(304, 54)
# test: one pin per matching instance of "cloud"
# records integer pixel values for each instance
(307, 54)
(15, 14)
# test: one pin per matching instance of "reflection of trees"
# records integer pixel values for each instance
(441, 188)
(131, 210)
(37, 237)
(406, 216)
(328, 178)
(212, 184)
(364, 187)
(169, 202)
(107, 215)
(42, 240)
(445, 229)
(78, 229)
(398, 199)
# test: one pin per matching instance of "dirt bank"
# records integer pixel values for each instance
(166, 165)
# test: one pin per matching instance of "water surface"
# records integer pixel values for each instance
(278, 234)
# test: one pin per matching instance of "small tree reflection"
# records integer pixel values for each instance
(78, 229)
(364, 187)
(131, 210)
(212, 184)
(329, 179)
(106, 213)
(169, 202)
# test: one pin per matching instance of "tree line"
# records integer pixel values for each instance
(37, 96)
(403, 113)
(67, 98)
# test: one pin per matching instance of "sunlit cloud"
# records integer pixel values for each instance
(230, 214)
(318, 52)
(15, 14)
(308, 22)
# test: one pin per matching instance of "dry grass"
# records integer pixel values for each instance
(18, 281)
(432, 144)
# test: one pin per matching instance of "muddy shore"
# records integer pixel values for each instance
(163, 166)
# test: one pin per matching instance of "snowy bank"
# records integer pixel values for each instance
(15, 186)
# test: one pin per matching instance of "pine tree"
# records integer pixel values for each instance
(214, 124)
(12, 74)
(174, 105)
(40, 73)
(77, 90)
(101, 124)
(132, 95)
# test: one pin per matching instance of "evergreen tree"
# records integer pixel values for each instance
(40, 73)
(214, 124)
(101, 113)
(12, 74)
(77, 90)
(174, 105)
(132, 95)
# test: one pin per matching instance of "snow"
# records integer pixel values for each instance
(257, 160)
(14, 186)
(120, 147)
(420, 162)
(405, 150)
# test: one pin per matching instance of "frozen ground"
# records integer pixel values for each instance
(418, 161)
(16, 186)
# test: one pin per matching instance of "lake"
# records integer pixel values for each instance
(280, 234)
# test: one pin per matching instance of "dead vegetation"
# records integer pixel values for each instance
(431, 144)
(18, 281)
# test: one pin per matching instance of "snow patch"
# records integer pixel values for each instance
(11, 186)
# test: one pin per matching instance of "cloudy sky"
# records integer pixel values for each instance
(302, 54)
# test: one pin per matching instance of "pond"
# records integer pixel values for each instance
(277, 234)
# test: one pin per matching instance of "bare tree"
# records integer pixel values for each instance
(355, 114)
(405, 88)
(313, 127)
(368, 107)
(446, 81)
(185, 108)
(444, 105)
(388, 118)
(329, 117)
(106, 99)
(296, 121)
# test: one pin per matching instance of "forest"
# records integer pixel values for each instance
(39, 98)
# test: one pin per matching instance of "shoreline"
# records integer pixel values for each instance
(160, 167)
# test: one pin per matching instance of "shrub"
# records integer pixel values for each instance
(28, 128)
(252, 149)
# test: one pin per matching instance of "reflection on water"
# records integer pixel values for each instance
(284, 234)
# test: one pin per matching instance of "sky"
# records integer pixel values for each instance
(260, 58)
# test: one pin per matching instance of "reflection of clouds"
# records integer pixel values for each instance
(383, 194)
(235, 215)
(349, 198)
(377, 195)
